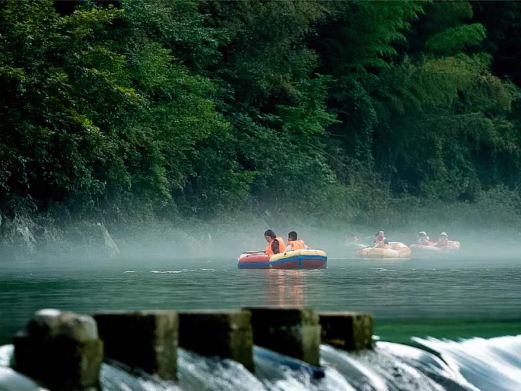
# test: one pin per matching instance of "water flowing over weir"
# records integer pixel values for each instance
(473, 364)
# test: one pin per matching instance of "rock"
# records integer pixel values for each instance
(111, 246)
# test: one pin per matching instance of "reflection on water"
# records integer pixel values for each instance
(285, 287)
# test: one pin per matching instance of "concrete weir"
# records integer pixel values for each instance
(61, 350)
(294, 332)
(347, 330)
(225, 334)
(146, 340)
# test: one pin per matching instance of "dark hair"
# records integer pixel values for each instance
(292, 235)
(270, 233)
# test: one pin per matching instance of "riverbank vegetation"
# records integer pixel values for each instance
(131, 111)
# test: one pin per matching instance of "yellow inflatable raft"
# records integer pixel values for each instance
(395, 250)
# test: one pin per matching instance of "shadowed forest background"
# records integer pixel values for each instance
(132, 112)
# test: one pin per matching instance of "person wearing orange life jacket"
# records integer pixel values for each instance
(275, 243)
(294, 243)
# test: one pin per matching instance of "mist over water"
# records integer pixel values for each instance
(183, 266)
(227, 241)
(226, 238)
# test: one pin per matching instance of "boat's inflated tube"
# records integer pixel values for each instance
(452, 246)
(395, 250)
(298, 259)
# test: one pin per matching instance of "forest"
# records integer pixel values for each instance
(127, 111)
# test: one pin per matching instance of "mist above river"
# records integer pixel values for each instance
(167, 244)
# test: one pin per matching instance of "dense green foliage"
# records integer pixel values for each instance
(164, 108)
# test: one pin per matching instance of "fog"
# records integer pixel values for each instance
(169, 244)
(228, 241)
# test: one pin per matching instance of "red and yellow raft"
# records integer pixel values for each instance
(298, 259)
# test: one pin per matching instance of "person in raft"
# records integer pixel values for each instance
(424, 239)
(294, 243)
(380, 241)
(443, 240)
(275, 243)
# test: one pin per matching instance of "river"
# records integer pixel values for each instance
(420, 298)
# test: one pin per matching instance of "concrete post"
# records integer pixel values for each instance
(146, 340)
(347, 330)
(61, 350)
(294, 332)
(226, 334)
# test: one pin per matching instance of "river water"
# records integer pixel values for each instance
(427, 303)
(442, 298)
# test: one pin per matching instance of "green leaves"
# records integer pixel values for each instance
(200, 107)
(456, 39)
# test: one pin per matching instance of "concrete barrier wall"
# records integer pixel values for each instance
(347, 330)
(145, 340)
(60, 350)
(63, 350)
(225, 334)
(294, 332)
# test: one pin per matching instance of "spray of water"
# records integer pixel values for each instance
(467, 365)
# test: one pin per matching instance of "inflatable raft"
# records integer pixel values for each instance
(299, 259)
(452, 246)
(395, 250)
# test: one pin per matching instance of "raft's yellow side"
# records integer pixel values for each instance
(288, 254)
(403, 250)
(371, 252)
(395, 250)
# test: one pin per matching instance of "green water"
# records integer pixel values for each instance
(442, 298)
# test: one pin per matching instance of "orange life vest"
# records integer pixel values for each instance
(269, 251)
(297, 244)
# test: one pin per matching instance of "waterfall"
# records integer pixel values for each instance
(432, 364)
